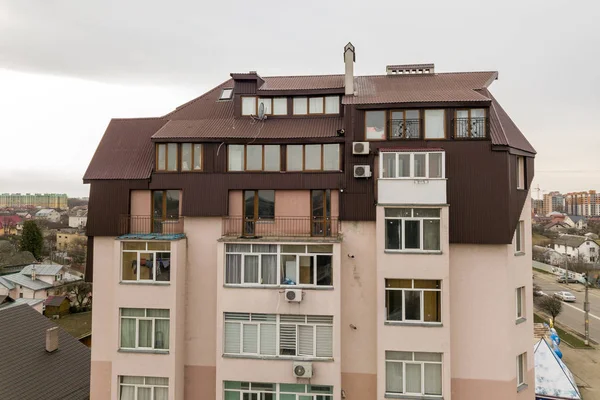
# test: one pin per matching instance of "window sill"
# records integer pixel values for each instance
(143, 351)
(519, 253)
(250, 286)
(412, 396)
(520, 320)
(425, 252)
(416, 324)
(285, 358)
(522, 387)
(149, 283)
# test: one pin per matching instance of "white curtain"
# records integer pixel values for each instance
(145, 333)
(435, 165)
(250, 338)
(269, 269)
(250, 269)
(232, 337)
(161, 393)
(127, 332)
(306, 340)
(413, 378)
(393, 377)
(434, 124)
(144, 393)
(233, 268)
(332, 105)
(161, 334)
(324, 341)
(389, 165)
(431, 234)
(433, 379)
(268, 339)
(127, 393)
(236, 157)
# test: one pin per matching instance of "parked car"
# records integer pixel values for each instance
(565, 296)
(537, 290)
(564, 279)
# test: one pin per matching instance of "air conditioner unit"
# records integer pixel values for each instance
(362, 171)
(303, 370)
(360, 148)
(293, 295)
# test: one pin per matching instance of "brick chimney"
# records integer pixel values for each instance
(33, 273)
(349, 59)
(52, 339)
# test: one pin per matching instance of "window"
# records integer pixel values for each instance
(248, 105)
(270, 264)
(144, 329)
(412, 165)
(520, 297)
(520, 237)
(316, 105)
(520, 172)
(313, 157)
(253, 158)
(268, 391)
(411, 300)
(332, 105)
(165, 211)
(300, 105)
(146, 261)
(412, 229)
(299, 335)
(143, 388)
(375, 125)
(280, 106)
(405, 124)
(267, 104)
(413, 373)
(226, 94)
(521, 368)
(321, 212)
(173, 157)
(469, 123)
(435, 124)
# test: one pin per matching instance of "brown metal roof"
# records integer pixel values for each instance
(421, 88)
(246, 128)
(309, 82)
(408, 149)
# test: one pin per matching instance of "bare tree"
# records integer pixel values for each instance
(80, 293)
(77, 250)
(551, 306)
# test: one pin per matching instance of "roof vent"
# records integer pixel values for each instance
(52, 339)
(410, 69)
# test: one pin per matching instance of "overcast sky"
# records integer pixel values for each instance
(67, 67)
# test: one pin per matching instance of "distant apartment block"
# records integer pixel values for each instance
(586, 204)
(315, 238)
(537, 206)
(553, 201)
(46, 200)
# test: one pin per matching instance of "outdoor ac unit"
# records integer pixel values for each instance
(362, 171)
(293, 295)
(360, 148)
(303, 370)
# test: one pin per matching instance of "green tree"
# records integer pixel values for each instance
(32, 239)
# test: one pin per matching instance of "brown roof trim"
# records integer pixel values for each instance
(410, 150)
(444, 104)
(301, 92)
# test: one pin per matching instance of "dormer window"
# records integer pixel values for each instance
(174, 157)
(226, 94)
(316, 105)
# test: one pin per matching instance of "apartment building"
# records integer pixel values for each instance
(586, 204)
(315, 238)
(45, 200)
(554, 201)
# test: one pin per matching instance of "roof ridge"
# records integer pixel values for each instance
(182, 106)
(137, 119)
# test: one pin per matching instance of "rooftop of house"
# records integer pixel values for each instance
(576, 218)
(45, 212)
(21, 301)
(54, 301)
(25, 281)
(28, 371)
(558, 224)
(42, 269)
(571, 240)
(79, 325)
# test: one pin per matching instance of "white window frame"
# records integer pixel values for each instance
(226, 94)
(422, 303)
(138, 268)
(520, 302)
(245, 111)
(278, 320)
(309, 392)
(521, 369)
(422, 364)
(412, 165)
(421, 231)
(520, 172)
(137, 329)
(280, 105)
(137, 386)
(322, 158)
(520, 238)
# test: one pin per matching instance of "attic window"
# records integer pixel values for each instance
(226, 94)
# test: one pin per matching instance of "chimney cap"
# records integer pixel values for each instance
(402, 69)
(350, 47)
(52, 339)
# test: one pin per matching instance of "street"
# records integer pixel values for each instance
(572, 314)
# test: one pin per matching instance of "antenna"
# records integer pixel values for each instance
(261, 111)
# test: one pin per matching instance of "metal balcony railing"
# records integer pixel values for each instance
(470, 128)
(281, 227)
(405, 128)
(148, 224)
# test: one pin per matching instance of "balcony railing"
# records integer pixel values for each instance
(405, 128)
(147, 224)
(281, 227)
(470, 128)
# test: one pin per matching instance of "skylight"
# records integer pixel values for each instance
(226, 94)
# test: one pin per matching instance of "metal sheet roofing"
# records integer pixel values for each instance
(6, 283)
(29, 372)
(27, 302)
(408, 149)
(151, 236)
(24, 280)
(54, 301)
(42, 269)
(308, 82)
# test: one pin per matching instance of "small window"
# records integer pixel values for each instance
(521, 369)
(412, 229)
(300, 105)
(268, 104)
(434, 124)
(186, 157)
(140, 387)
(145, 329)
(415, 374)
(236, 157)
(405, 124)
(315, 105)
(226, 94)
(520, 298)
(272, 154)
(280, 106)
(253, 158)
(520, 237)
(520, 172)
(410, 300)
(161, 163)
(172, 157)
(375, 125)
(248, 105)
(312, 157)
(332, 105)
(294, 158)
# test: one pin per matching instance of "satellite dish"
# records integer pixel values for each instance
(261, 111)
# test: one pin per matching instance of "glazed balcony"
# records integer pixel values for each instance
(289, 227)
(147, 224)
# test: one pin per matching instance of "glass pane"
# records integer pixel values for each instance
(250, 269)
(427, 212)
(248, 105)
(375, 125)
(269, 269)
(300, 105)
(127, 393)
(393, 234)
(232, 385)
(293, 248)
(413, 378)
(393, 305)
(172, 205)
(399, 283)
(312, 157)
(332, 105)
(294, 158)
(267, 105)
(436, 357)
(398, 212)
(272, 162)
(292, 388)
(426, 284)
(434, 124)
(158, 202)
(134, 245)
(144, 393)
(462, 114)
(146, 271)
(186, 156)
(280, 106)
(419, 170)
(236, 157)
(172, 157)
(393, 377)
(145, 333)
(435, 165)
(412, 234)
(331, 157)
(132, 379)
(249, 204)
(432, 310)
(254, 158)
(133, 312)
(226, 94)
(161, 393)
(233, 268)
(403, 165)
(315, 105)
(433, 379)
(153, 380)
(306, 340)
(320, 248)
(307, 270)
(237, 248)
(128, 333)
(162, 160)
(288, 270)
(412, 304)
(129, 272)
(197, 156)
(324, 273)
(399, 355)
(266, 204)
(158, 312)
(161, 339)
(477, 113)
(412, 114)
(250, 339)
(389, 165)
(318, 203)
(431, 234)
(159, 246)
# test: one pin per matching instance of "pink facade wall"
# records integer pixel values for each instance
(141, 202)
(288, 203)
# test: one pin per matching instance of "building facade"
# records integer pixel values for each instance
(45, 200)
(553, 201)
(315, 238)
(586, 204)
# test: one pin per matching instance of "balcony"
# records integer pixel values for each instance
(405, 128)
(470, 128)
(281, 227)
(147, 224)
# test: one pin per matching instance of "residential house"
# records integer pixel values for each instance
(36, 304)
(78, 217)
(36, 281)
(39, 359)
(12, 260)
(559, 227)
(576, 221)
(578, 247)
(56, 306)
(320, 252)
(26, 215)
(64, 238)
(10, 225)
(48, 214)
(548, 255)
(79, 325)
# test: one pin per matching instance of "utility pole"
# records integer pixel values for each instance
(586, 309)
(566, 265)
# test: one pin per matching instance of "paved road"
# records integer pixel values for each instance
(572, 314)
